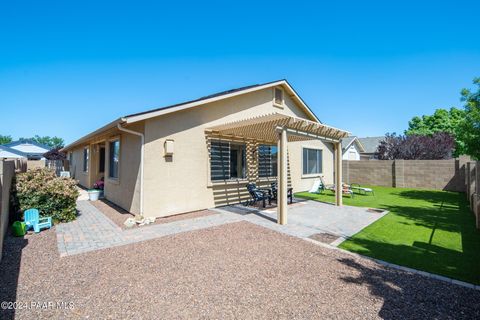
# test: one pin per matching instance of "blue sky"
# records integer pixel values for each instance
(67, 68)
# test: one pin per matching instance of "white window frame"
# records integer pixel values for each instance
(113, 139)
(283, 97)
(310, 175)
(86, 161)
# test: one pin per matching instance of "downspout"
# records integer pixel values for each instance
(142, 138)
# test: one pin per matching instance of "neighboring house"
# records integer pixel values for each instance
(6, 152)
(201, 154)
(351, 148)
(370, 145)
(29, 149)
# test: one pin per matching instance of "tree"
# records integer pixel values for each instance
(52, 142)
(469, 128)
(54, 154)
(416, 147)
(442, 120)
(5, 139)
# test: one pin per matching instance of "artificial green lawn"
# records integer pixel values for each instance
(427, 230)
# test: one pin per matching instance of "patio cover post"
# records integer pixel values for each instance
(282, 177)
(338, 174)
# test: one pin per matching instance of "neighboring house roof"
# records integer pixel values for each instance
(348, 141)
(28, 148)
(370, 144)
(6, 152)
(131, 118)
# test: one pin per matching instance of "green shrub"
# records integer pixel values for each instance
(41, 189)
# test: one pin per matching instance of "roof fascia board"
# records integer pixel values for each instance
(157, 113)
(92, 134)
(362, 148)
(300, 100)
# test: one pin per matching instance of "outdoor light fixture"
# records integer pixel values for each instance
(168, 146)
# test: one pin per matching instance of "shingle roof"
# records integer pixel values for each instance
(370, 144)
(347, 141)
(218, 94)
(131, 118)
(7, 152)
(24, 147)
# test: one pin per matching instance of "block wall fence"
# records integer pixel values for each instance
(7, 172)
(461, 175)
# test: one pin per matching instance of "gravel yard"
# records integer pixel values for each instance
(119, 215)
(237, 270)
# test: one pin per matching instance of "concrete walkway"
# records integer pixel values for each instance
(93, 230)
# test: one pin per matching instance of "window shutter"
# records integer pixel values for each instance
(219, 160)
(265, 161)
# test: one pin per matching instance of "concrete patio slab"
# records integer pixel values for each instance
(309, 217)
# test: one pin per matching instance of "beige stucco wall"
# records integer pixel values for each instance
(302, 182)
(181, 183)
(124, 191)
(76, 167)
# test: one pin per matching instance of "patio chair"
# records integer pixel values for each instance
(275, 191)
(345, 188)
(323, 186)
(316, 186)
(33, 221)
(259, 194)
(356, 186)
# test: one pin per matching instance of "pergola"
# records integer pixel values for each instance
(279, 129)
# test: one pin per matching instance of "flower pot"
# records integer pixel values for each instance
(19, 228)
(93, 194)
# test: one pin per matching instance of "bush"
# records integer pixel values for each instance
(53, 196)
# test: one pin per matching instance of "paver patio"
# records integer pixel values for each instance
(93, 230)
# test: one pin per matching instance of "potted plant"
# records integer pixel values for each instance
(99, 185)
(94, 194)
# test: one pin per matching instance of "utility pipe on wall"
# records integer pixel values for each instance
(142, 138)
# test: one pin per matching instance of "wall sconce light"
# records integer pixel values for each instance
(168, 148)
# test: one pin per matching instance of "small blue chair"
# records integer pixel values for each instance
(32, 220)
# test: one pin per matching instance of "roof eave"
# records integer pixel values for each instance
(188, 105)
(92, 134)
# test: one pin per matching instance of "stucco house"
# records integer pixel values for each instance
(201, 154)
(9, 153)
(370, 145)
(351, 148)
(30, 150)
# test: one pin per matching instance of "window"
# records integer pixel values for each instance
(312, 161)
(228, 160)
(267, 161)
(85, 159)
(352, 155)
(114, 159)
(101, 164)
(278, 97)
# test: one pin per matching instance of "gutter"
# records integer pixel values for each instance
(83, 139)
(142, 138)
